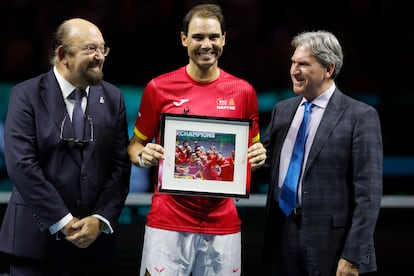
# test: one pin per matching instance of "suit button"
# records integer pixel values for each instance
(78, 202)
(84, 177)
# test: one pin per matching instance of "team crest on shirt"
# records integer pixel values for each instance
(226, 104)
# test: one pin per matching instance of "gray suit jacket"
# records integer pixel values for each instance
(342, 183)
(49, 176)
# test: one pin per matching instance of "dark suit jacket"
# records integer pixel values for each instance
(49, 177)
(342, 183)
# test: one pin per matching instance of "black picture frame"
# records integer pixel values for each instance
(216, 163)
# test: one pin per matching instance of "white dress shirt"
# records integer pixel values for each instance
(315, 118)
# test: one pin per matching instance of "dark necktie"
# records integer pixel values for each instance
(78, 119)
(287, 201)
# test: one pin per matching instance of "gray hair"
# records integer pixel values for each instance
(60, 38)
(324, 46)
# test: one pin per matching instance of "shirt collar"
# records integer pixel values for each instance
(65, 86)
(323, 99)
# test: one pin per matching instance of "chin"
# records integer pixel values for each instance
(205, 65)
(95, 79)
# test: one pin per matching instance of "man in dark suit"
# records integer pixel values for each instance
(330, 229)
(68, 191)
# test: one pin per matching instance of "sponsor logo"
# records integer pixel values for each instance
(224, 104)
(159, 270)
(236, 269)
(180, 102)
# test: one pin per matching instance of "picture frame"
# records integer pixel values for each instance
(204, 155)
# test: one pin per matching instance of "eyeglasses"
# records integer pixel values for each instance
(88, 132)
(91, 49)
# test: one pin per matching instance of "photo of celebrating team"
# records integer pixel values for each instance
(208, 157)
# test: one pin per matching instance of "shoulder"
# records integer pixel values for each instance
(33, 87)
(177, 73)
(169, 79)
(109, 86)
(224, 75)
(284, 108)
(35, 82)
(289, 102)
(350, 102)
(227, 78)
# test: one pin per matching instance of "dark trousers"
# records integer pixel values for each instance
(292, 249)
(65, 259)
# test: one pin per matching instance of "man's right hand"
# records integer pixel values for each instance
(68, 229)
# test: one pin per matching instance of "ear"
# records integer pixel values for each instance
(61, 55)
(224, 38)
(60, 52)
(184, 39)
(329, 70)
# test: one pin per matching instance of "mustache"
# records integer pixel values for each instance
(95, 63)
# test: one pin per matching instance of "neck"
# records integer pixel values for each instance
(200, 75)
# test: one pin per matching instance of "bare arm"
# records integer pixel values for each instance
(148, 153)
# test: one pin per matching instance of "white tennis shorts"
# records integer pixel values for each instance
(171, 253)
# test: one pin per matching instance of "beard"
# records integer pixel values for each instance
(92, 77)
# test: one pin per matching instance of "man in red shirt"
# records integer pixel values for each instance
(194, 234)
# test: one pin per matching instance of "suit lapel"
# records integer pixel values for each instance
(93, 110)
(288, 113)
(332, 115)
(51, 95)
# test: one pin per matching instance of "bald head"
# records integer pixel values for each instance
(80, 29)
(79, 52)
(75, 31)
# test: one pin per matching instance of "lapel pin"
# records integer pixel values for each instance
(101, 100)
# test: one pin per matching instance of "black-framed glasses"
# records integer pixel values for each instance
(68, 136)
(91, 49)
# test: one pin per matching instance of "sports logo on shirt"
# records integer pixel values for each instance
(180, 102)
(224, 104)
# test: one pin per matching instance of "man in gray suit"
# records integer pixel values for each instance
(68, 193)
(331, 227)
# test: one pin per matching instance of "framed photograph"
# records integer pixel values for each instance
(205, 156)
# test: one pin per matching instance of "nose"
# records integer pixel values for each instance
(102, 50)
(294, 69)
(206, 43)
(98, 57)
(100, 53)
